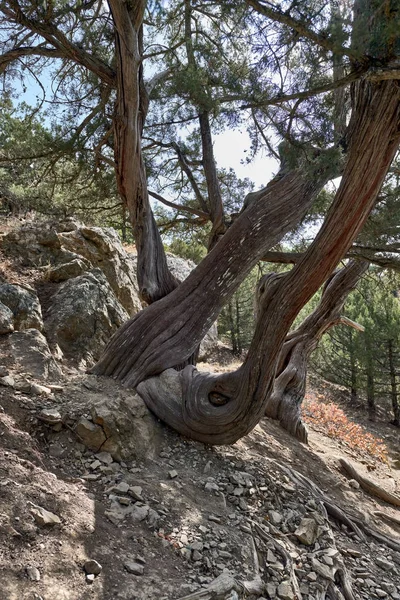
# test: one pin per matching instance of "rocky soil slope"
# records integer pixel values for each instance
(99, 501)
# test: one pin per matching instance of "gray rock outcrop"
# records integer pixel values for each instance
(179, 267)
(67, 249)
(102, 248)
(67, 270)
(83, 315)
(109, 418)
(97, 288)
(31, 354)
(24, 304)
(129, 427)
(6, 319)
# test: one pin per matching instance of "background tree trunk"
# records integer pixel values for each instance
(232, 327)
(393, 385)
(213, 188)
(353, 370)
(370, 382)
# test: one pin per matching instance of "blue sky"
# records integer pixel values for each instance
(231, 147)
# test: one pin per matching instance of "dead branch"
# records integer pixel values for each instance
(368, 485)
(354, 523)
(350, 323)
(226, 584)
(386, 517)
(287, 559)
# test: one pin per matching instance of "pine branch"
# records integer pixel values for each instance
(59, 41)
(192, 211)
(322, 40)
(303, 95)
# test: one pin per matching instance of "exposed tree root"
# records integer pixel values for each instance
(354, 523)
(368, 485)
(263, 534)
(337, 581)
(226, 587)
(380, 537)
(386, 517)
(339, 515)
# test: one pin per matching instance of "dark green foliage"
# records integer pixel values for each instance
(236, 323)
(367, 363)
(42, 173)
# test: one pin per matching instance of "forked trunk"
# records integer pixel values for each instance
(221, 409)
(289, 388)
(167, 332)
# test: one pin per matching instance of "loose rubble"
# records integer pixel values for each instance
(251, 504)
(98, 500)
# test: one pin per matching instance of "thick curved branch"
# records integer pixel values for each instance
(375, 256)
(60, 42)
(284, 258)
(21, 51)
(154, 277)
(303, 95)
(289, 388)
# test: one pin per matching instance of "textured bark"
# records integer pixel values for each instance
(289, 388)
(154, 277)
(167, 332)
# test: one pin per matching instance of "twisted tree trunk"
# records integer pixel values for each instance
(289, 388)
(154, 278)
(221, 409)
(167, 332)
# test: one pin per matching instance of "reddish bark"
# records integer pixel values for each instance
(154, 277)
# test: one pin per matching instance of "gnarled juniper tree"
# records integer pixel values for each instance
(273, 63)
